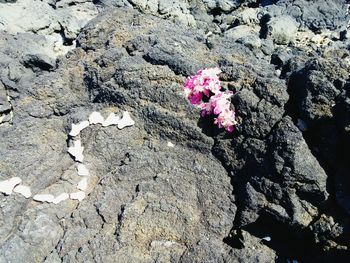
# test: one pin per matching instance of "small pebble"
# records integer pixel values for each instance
(170, 144)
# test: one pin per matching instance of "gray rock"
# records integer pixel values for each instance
(245, 35)
(5, 105)
(176, 199)
(113, 3)
(60, 22)
(282, 29)
(223, 5)
(281, 157)
(314, 91)
(201, 200)
(255, 251)
(314, 15)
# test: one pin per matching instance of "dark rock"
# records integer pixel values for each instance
(5, 105)
(314, 15)
(40, 62)
(314, 91)
(268, 192)
(277, 177)
(183, 198)
(282, 29)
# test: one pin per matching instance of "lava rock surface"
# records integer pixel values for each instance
(276, 189)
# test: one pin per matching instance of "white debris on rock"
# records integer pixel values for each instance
(13, 184)
(268, 239)
(112, 119)
(58, 199)
(44, 198)
(77, 151)
(96, 118)
(83, 183)
(77, 128)
(125, 121)
(82, 170)
(163, 243)
(80, 195)
(23, 190)
(7, 186)
(170, 144)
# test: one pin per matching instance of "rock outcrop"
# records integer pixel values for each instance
(173, 188)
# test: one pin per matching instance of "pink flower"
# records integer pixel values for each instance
(221, 101)
(226, 119)
(195, 98)
(206, 108)
(206, 83)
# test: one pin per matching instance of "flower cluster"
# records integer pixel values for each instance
(204, 91)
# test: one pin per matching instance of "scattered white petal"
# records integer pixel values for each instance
(96, 118)
(267, 239)
(112, 119)
(208, 34)
(77, 128)
(162, 243)
(60, 198)
(44, 198)
(80, 195)
(77, 151)
(82, 170)
(170, 144)
(82, 185)
(7, 186)
(23, 190)
(125, 121)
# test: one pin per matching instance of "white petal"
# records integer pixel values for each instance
(7, 186)
(267, 238)
(82, 170)
(170, 144)
(82, 185)
(112, 119)
(80, 195)
(60, 198)
(96, 118)
(23, 190)
(77, 128)
(77, 151)
(44, 198)
(125, 121)
(15, 180)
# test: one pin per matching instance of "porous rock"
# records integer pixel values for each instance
(213, 197)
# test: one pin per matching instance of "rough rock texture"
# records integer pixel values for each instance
(276, 189)
(59, 22)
